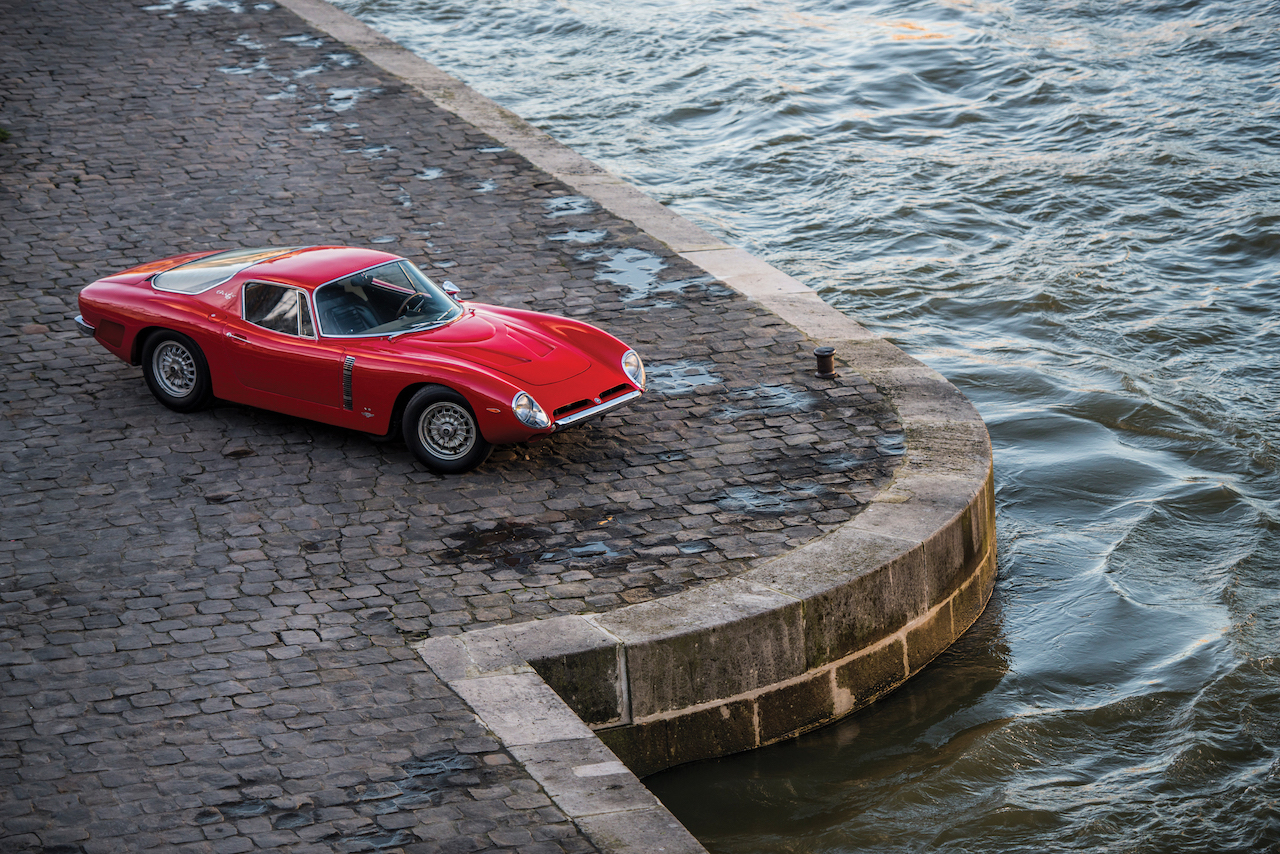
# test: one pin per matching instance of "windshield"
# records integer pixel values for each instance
(384, 300)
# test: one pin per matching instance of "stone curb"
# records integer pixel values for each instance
(793, 643)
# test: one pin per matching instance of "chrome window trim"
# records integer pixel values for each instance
(388, 335)
(305, 303)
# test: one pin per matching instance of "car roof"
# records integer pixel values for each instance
(312, 266)
(305, 266)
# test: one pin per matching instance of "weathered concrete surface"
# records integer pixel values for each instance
(209, 620)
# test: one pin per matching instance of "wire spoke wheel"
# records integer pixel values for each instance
(175, 368)
(176, 371)
(442, 432)
(447, 430)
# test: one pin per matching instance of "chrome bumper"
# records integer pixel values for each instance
(585, 414)
(85, 329)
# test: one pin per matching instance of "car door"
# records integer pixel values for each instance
(277, 357)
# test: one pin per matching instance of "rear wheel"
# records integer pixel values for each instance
(176, 371)
(441, 431)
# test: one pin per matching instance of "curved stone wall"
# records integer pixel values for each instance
(797, 641)
(794, 642)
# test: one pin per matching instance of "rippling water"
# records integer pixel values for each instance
(1072, 210)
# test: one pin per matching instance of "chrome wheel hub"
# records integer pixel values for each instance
(175, 369)
(447, 431)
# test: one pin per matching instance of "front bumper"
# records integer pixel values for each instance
(85, 329)
(585, 414)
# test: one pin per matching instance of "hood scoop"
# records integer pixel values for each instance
(506, 345)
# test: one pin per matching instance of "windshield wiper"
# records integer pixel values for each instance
(421, 326)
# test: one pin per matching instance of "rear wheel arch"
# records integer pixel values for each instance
(140, 343)
(176, 371)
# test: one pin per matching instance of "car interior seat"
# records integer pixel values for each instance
(344, 312)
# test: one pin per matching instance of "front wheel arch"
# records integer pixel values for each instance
(441, 429)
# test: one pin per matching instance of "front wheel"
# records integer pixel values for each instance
(176, 371)
(441, 431)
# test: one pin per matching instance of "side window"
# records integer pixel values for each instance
(277, 308)
(304, 316)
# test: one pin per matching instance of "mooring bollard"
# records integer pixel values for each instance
(826, 357)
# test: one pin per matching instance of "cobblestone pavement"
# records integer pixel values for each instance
(207, 617)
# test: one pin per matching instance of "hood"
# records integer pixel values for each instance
(513, 346)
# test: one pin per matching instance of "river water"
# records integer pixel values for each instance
(1071, 210)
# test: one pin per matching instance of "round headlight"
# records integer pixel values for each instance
(633, 367)
(529, 412)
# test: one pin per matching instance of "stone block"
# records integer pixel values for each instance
(584, 777)
(971, 599)
(707, 644)
(579, 661)
(930, 637)
(643, 748)
(746, 273)
(640, 832)
(576, 658)
(718, 731)
(794, 708)
(870, 674)
(519, 708)
(857, 589)
(920, 393)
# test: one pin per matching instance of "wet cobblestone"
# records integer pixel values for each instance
(206, 617)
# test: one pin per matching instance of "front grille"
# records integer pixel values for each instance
(572, 407)
(587, 403)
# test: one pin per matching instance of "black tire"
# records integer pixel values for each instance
(176, 371)
(441, 431)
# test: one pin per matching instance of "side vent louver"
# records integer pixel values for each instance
(348, 365)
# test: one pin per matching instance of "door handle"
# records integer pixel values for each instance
(237, 337)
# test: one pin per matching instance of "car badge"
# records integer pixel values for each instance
(597, 400)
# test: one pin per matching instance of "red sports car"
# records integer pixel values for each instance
(361, 339)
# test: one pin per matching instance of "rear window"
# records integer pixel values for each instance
(198, 276)
(277, 308)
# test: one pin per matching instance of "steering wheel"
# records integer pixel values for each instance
(404, 306)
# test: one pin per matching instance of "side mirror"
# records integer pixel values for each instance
(452, 290)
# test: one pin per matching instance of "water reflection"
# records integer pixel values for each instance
(790, 798)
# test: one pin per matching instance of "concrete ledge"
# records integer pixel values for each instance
(793, 643)
(574, 768)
